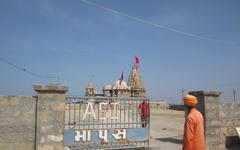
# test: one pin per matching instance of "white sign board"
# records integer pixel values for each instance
(238, 131)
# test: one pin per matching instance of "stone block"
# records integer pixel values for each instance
(47, 128)
(55, 138)
(211, 106)
(45, 147)
(231, 131)
(222, 114)
(211, 115)
(60, 117)
(14, 128)
(59, 107)
(16, 146)
(213, 131)
(212, 139)
(45, 118)
(12, 137)
(216, 123)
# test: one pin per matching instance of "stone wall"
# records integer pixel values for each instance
(229, 116)
(177, 107)
(17, 122)
(33, 123)
(220, 119)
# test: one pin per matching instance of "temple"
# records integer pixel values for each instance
(134, 88)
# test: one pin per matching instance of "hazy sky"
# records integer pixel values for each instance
(190, 44)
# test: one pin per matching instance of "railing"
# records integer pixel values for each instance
(104, 123)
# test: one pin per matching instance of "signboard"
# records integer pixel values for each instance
(105, 123)
(100, 136)
(238, 131)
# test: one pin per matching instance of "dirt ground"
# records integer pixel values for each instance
(166, 129)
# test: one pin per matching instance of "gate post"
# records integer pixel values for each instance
(208, 105)
(50, 116)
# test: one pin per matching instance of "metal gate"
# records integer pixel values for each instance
(105, 123)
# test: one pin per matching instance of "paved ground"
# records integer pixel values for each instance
(166, 129)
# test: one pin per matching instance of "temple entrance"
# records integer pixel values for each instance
(105, 123)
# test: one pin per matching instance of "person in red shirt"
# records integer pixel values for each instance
(143, 110)
(193, 138)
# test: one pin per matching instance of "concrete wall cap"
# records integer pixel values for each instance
(50, 88)
(207, 93)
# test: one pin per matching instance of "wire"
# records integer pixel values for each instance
(27, 71)
(158, 25)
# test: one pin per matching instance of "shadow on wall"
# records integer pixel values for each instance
(232, 143)
(175, 140)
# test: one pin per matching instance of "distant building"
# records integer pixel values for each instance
(159, 104)
(134, 88)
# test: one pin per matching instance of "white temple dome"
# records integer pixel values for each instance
(107, 87)
(123, 85)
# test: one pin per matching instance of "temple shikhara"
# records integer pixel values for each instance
(133, 88)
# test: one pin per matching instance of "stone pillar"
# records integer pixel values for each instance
(50, 116)
(208, 105)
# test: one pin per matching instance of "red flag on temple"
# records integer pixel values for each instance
(121, 78)
(137, 61)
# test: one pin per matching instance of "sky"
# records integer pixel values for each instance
(186, 45)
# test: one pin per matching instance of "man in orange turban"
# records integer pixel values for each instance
(193, 138)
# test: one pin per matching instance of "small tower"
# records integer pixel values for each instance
(107, 90)
(90, 89)
(136, 83)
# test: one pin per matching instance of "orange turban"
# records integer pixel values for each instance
(190, 100)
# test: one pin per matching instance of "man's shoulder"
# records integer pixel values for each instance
(190, 118)
(194, 114)
(197, 112)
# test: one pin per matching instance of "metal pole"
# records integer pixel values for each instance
(234, 95)
(58, 79)
(183, 92)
